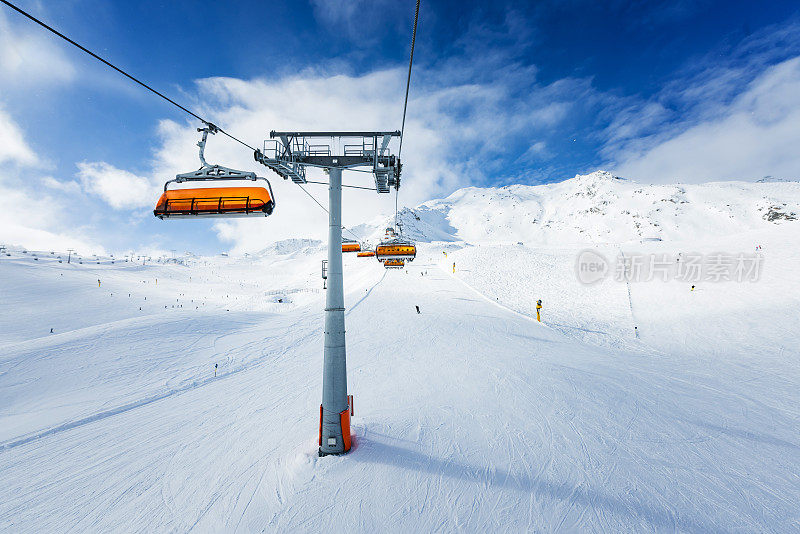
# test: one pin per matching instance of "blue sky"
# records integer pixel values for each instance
(503, 92)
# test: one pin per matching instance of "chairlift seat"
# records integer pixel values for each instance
(215, 202)
(396, 250)
(351, 246)
(366, 254)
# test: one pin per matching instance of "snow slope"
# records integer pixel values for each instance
(469, 416)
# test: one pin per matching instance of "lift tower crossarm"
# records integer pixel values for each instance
(273, 134)
(289, 153)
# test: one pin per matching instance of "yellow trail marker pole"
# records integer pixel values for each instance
(454, 267)
(538, 307)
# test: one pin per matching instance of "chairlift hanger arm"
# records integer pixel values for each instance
(209, 172)
(209, 129)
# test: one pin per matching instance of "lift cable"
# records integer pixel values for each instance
(344, 185)
(352, 233)
(408, 79)
(212, 126)
(312, 197)
(405, 102)
(107, 63)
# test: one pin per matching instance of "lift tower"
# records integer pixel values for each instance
(289, 154)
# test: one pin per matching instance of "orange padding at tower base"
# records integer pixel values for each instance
(320, 425)
(344, 418)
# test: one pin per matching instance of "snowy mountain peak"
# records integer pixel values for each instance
(291, 246)
(769, 179)
(598, 207)
(596, 177)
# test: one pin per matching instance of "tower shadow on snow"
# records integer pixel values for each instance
(378, 452)
(744, 434)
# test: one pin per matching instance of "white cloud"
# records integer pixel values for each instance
(29, 56)
(37, 220)
(30, 217)
(70, 186)
(13, 147)
(358, 18)
(120, 189)
(754, 135)
(14, 232)
(727, 115)
(537, 151)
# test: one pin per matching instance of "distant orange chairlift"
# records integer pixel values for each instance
(348, 245)
(236, 201)
(394, 264)
(395, 248)
(366, 254)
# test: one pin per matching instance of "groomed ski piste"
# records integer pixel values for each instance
(469, 416)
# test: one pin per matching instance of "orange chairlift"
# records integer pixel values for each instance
(348, 245)
(394, 264)
(214, 201)
(366, 254)
(395, 247)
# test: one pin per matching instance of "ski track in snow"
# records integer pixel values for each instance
(469, 416)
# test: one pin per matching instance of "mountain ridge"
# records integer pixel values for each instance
(598, 207)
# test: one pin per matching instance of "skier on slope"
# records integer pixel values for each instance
(417, 307)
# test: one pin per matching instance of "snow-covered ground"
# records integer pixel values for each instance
(469, 416)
